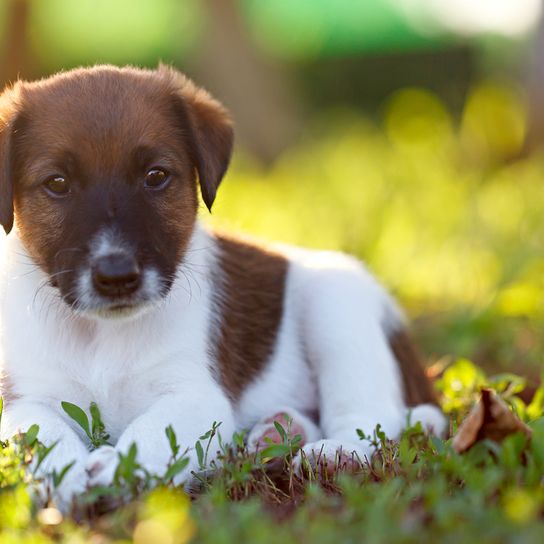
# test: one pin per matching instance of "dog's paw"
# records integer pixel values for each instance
(327, 457)
(59, 477)
(431, 418)
(265, 432)
(73, 484)
(63, 494)
(101, 466)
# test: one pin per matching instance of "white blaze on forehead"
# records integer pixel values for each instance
(108, 242)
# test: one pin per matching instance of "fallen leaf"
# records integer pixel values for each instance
(490, 418)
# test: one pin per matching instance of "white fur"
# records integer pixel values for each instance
(155, 369)
(144, 373)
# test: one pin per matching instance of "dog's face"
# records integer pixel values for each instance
(99, 168)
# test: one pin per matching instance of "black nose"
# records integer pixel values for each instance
(116, 275)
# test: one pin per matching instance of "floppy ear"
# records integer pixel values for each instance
(6, 183)
(212, 133)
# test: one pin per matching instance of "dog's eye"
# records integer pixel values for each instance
(57, 186)
(156, 178)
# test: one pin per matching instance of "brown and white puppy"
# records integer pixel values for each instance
(111, 291)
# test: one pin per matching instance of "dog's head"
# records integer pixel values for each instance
(98, 168)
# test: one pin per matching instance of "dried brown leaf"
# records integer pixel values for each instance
(490, 418)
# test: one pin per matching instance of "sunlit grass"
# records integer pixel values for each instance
(418, 488)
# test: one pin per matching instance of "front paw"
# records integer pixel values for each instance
(293, 422)
(61, 494)
(265, 433)
(101, 466)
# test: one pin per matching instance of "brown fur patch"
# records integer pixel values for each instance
(250, 304)
(96, 126)
(213, 132)
(417, 387)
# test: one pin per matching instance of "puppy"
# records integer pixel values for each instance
(112, 291)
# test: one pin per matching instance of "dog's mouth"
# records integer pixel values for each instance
(120, 311)
(103, 301)
(120, 307)
(98, 307)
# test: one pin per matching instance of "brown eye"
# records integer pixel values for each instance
(156, 178)
(57, 186)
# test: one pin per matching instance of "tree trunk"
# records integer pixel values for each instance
(254, 88)
(14, 50)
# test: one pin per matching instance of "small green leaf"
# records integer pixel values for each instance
(536, 407)
(78, 415)
(281, 431)
(172, 440)
(131, 455)
(276, 450)
(58, 477)
(97, 425)
(362, 435)
(507, 384)
(296, 441)
(239, 439)
(211, 432)
(31, 434)
(407, 454)
(42, 453)
(127, 465)
(98, 429)
(380, 435)
(176, 468)
(437, 444)
(199, 454)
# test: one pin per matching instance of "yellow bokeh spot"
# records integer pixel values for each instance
(416, 117)
(520, 299)
(152, 531)
(520, 505)
(165, 519)
(493, 124)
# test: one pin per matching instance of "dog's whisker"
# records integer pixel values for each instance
(190, 276)
(24, 274)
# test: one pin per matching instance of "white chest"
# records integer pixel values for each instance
(52, 355)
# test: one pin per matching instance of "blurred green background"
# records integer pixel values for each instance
(407, 132)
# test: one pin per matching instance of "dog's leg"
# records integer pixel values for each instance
(358, 378)
(190, 415)
(18, 416)
(291, 420)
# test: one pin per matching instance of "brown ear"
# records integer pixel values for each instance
(212, 133)
(6, 183)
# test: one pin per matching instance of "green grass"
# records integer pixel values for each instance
(453, 227)
(415, 489)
